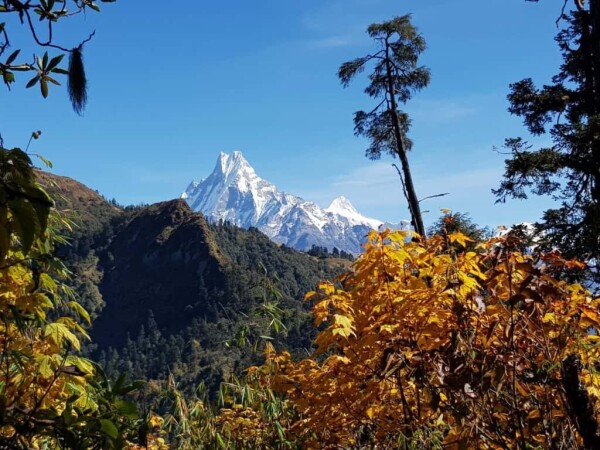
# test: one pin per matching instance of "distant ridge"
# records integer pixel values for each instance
(234, 192)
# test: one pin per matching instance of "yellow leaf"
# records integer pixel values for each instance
(309, 295)
(549, 317)
(45, 365)
(459, 238)
(80, 310)
(59, 333)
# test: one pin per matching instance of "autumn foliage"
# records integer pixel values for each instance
(426, 346)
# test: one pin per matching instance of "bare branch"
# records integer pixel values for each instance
(403, 186)
(434, 196)
(562, 13)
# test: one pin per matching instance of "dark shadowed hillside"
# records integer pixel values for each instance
(161, 261)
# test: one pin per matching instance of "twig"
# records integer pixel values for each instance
(495, 149)
(433, 196)
(49, 43)
(562, 13)
(6, 42)
(405, 192)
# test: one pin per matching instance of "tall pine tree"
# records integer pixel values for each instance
(396, 76)
(568, 110)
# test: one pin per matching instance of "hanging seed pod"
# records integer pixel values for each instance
(77, 85)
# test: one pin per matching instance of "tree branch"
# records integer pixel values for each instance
(433, 196)
(48, 42)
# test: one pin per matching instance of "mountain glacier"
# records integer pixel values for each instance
(234, 192)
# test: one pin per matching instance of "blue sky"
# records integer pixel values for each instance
(172, 86)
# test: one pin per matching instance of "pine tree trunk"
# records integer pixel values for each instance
(411, 195)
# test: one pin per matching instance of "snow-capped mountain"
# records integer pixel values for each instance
(235, 193)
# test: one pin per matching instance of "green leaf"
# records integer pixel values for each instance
(116, 388)
(69, 416)
(46, 162)
(47, 283)
(54, 62)
(84, 365)
(80, 310)
(109, 429)
(60, 71)
(123, 389)
(220, 441)
(25, 222)
(44, 87)
(42, 211)
(52, 80)
(41, 203)
(45, 366)
(33, 81)
(127, 409)
(9, 77)
(12, 57)
(59, 333)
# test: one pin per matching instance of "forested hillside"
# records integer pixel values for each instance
(170, 292)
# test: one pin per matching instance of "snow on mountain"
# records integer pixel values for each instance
(342, 207)
(234, 192)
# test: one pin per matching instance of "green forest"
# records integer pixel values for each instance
(150, 327)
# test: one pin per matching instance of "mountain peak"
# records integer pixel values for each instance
(235, 193)
(233, 163)
(191, 188)
(341, 205)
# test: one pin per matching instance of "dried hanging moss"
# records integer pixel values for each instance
(77, 85)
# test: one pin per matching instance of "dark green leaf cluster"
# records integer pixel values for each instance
(24, 205)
